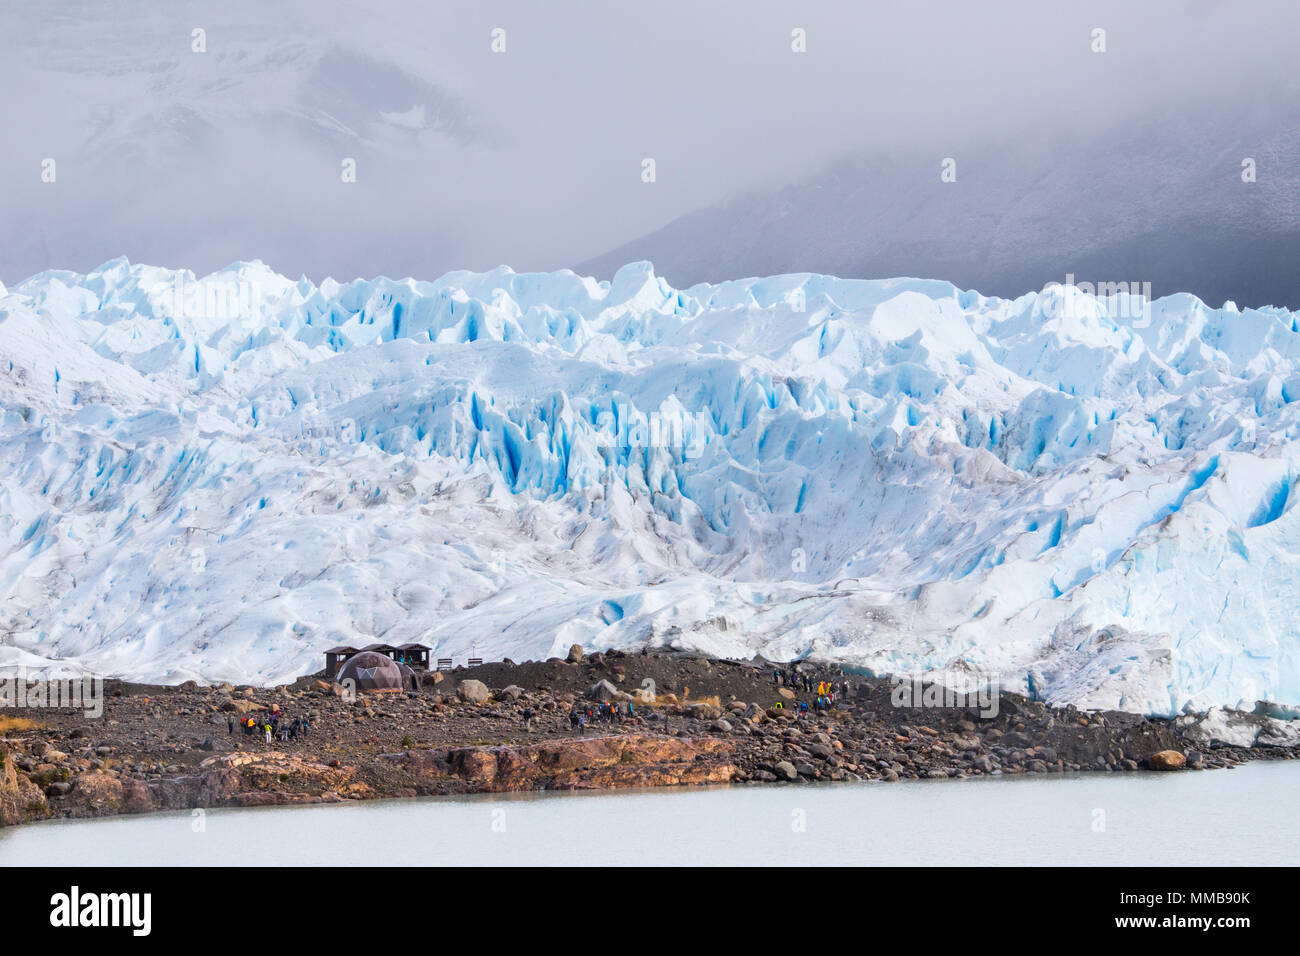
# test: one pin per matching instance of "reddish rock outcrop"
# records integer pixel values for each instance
(259, 779)
(94, 795)
(20, 799)
(629, 760)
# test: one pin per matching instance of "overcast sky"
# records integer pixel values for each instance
(467, 158)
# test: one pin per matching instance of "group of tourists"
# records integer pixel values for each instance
(271, 725)
(823, 690)
(605, 712)
(797, 680)
(822, 702)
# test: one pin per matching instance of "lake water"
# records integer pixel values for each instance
(1245, 816)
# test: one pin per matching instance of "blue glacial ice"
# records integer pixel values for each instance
(217, 477)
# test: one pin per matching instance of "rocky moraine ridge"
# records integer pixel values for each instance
(711, 721)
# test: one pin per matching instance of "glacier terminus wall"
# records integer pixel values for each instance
(218, 477)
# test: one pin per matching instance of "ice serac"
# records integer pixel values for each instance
(218, 477)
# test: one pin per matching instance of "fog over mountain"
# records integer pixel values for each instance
(475, 148)
(1160, 201)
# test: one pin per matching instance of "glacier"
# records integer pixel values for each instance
(217, 477)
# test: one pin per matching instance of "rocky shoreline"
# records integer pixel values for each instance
(158, 748)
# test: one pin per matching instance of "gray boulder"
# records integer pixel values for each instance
(474, 691)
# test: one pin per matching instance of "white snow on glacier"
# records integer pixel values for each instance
(217, 478)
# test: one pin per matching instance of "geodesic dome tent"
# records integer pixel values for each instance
(410, 679)
(371, 672)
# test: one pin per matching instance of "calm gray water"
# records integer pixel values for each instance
(1224, 817)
